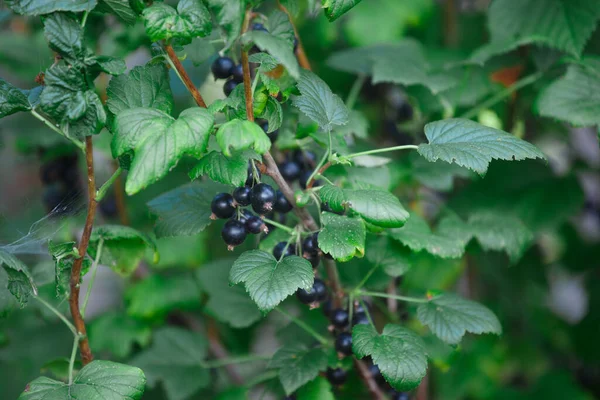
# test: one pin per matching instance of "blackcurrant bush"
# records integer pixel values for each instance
(290, 170)
(250, 181)
(228, 87)
(243, 216)
(339, 318)
(282, 205)
(222, 67)
(108, 207)
(238, 73)
(222, 206)
(233, 233)
(264, 124)
(280, 247)
(273, 135)
(336, 376)
(326, 308)
(320, 289)
(360, 318)
(259, 27)
(404, 112)
(303, 180)
(306, 296)
(255, 225)
(343, 343)
(314, 260)
(310, 246)
(263, 198)
(305, 158)
(394, 395)
(241, 195)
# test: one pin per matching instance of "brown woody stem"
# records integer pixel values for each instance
(366, 376)
(184, 76)
(302, 59)
(84, 345)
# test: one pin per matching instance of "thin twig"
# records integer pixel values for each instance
(366, 376)
(300, 53)
(246, 71)
(184, 76)
(84, 345)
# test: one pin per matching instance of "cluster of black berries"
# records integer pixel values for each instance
(61, 181)
(298, 166)
(263, 199)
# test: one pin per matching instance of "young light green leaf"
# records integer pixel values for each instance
(185, 210)
(65, 36)
(12, 99)
(240, 134)
(472, 145)
(398, 352)
(229, 15)
(268, 280)
(229, 304)
(280, 48)
(38, 7)
(125, 332)
(342, 237)
(298, 365)
(230, 171)
(273, 113)
(191, 19)
(145, 86)
(120, 8)
(450, 316)
(336, 8)
(158, 141)
(318, 388)
(550, 22)
(20, 282)
(157, 295)
(319, 103)
(573, 98)
(176, 359)
(417, 235)
(99, 380)
(123, 247)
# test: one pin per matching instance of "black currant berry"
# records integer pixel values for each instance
(343, 343)
(228, 87)
(404, 112)
(290, 397)
(222, 206)
(306, 296)
(255, 225)
(273, 135)
(282, 205)
(243, 216)
(305, 158)
(339, 318)
(310, 246)
(290, 170)
(233, 233)
(314, 260)
(360, 318)
(320, 289)
(259, 27)
(263, 198)
(394, 395)
(250, 181)
(280, 247)
(336, 376)
(264, 124)
(241, 195)
(238, 73)
(326, 308)
(375, 372)
(222, 67)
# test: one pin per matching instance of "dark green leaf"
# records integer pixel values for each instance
(191, 19)
(336, 8)
(390, 256)
(37, 7)
(12, 99)
(342, 237)
(268, 280)
(240, 134)
(120, 8)
(118, 333)
(437, 175)
(65, 36)
(319, 388)
(230, 171)
(298, 365)
(110, 65)
(20, 282)
(279, 25)
(157, 295)
(278, 47)
(229, 15)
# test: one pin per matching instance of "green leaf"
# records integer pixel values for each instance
(437, 175)
(123, 247)
(336, 8)
(358, 125)
(319, 103)
(120, 8)
(318, 388)
(279, 25)
(268, 280)
(20, 282)
(561, 24)
(240, 134)
(145, 86)
(64, 255)
(176, 359)
(185, 210)
(110, 65)
(157, 295)
(118, 333)
(280, 48)
(389, 255)
(199, 50)
(158, 141)
(573, 98)
(12, 99)
(37, 7)
(398, 352)
(342, 237)
(498, 232)
(230, 171)
(65, 36)
(334, 197)
(273, 113)
(472, 145)
(449, 317)
(99, 380)
(191, 19)
(298, 365)
(229, 304)
(417, 235)
(229, 15)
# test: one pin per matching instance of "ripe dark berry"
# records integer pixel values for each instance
(264, 124)
(255, 224)
(314, 260)
(310, 246)
(53, 196)
(244, 215)
(360, 318)
(290, 170)
(336, 376)
(306, 296)
(376, 373)
(263, 198)
(394, 395)
(259, 27)
(305, 158)
(238, 73)
(222, 67)
(339, 318)
(343, 343)
(326, 308)
(282, 205)
(320, 289)
(404, 112)
(233, 233)
(242, 195)
(250, 181)
(280, 247)
(222, 206)
(228, 87)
